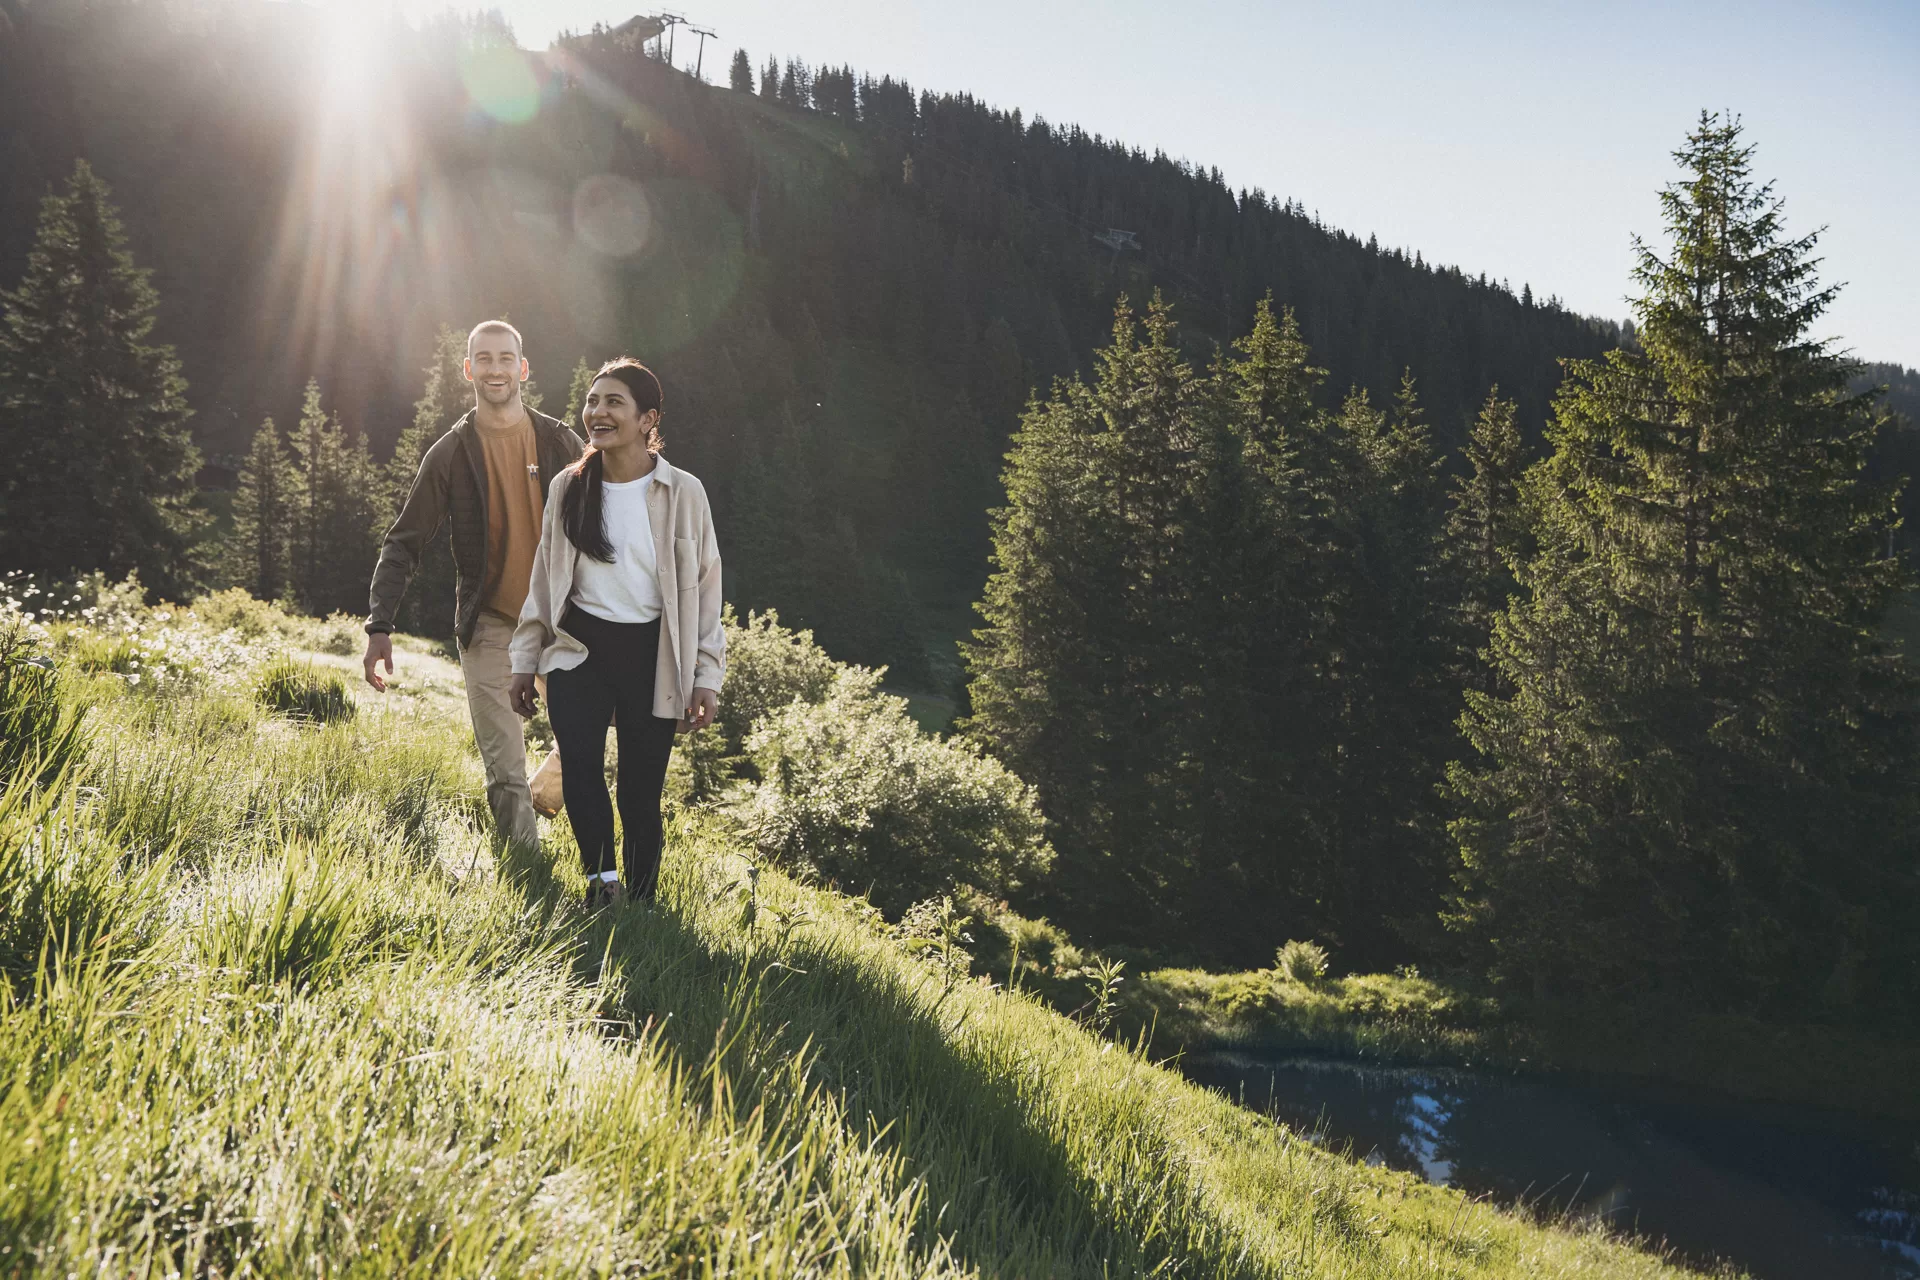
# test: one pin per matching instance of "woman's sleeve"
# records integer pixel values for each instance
(710, 660)
(535, 630)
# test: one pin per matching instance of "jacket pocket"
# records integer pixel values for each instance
(686, 563)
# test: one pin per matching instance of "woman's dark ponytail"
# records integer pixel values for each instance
(580, 508)
(582, 513)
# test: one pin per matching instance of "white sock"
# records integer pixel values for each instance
(610, 877)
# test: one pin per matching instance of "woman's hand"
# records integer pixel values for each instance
(706, 705)
(520, 695)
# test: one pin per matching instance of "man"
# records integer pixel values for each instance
(489, 475)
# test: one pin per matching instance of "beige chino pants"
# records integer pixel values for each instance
(497, 729)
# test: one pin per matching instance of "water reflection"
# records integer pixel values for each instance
(1786, 1193)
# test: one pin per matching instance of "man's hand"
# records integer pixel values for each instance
(521, 696)
(379, 649)
(706, 705)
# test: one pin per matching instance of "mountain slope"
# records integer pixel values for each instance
(854, 285)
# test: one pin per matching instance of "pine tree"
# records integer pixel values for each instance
(1267, 551)
(258, 552)
(1485, 533)
(741, 74)
(1389, 693)
(1080, 679)
(1701, 777)
(1217, 642)
(100, 466)
(770, 79)
(334, 546)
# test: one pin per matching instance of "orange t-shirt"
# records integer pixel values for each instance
(514, 507)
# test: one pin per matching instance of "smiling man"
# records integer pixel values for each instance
(487, 477)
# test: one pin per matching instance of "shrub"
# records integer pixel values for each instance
(768, 667)
(1302, 962)
(340, 634)
(301, 693)
(98, 602)
(852, 789)
(237, 610)
(1243, 997)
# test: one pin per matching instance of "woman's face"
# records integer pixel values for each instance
(612, 419)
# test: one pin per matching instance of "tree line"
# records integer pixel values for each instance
(1621, 718)
(852, 286)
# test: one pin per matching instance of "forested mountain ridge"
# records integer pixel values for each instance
(848, 287)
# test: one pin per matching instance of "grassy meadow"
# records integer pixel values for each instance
(269, 1005)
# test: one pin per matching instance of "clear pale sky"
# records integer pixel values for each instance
(1524, 139)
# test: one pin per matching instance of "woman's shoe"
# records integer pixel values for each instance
(604, 893)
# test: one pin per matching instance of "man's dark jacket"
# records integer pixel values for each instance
(452, 484)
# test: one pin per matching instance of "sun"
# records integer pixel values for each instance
(354, 50)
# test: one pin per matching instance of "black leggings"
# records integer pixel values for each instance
(617, 677)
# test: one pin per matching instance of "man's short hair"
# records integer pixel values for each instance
(495, 326)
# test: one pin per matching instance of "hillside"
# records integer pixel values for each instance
(845, 285)
(359, 1043)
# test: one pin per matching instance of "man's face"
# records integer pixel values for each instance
(494, 367)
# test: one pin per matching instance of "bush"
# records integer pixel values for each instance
(341, 634)
(235, 609)
(852, 789)
(1243, 997)
(1302, 962)
(301, 693)
(768, 667)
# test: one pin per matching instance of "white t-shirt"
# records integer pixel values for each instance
(628, 590)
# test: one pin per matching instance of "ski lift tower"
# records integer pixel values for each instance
(700, 59)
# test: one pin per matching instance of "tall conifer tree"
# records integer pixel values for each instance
(740, 75)
(1485, 533)
(1701, 779)
(334, 539)
(1388, 696)
(1080, 679)
(99, 465)
(265, 506)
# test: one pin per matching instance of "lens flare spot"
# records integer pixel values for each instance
(611, 215)
(500, 81)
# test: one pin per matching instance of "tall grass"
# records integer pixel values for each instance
(270, 1008)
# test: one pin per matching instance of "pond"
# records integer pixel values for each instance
(1787, 1193)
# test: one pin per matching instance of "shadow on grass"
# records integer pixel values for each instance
(1001, 1181)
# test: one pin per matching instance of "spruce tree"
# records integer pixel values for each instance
(1388, 692)
(741, 73)
(770, 79)
(1080, 679)
(1701, 779)
(100, 465)
(334, 539)
(265, 503)
(1485, 533)
(1267, 555)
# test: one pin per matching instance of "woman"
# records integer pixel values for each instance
(623, 619)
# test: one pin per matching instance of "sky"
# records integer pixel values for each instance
(1527, 140)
